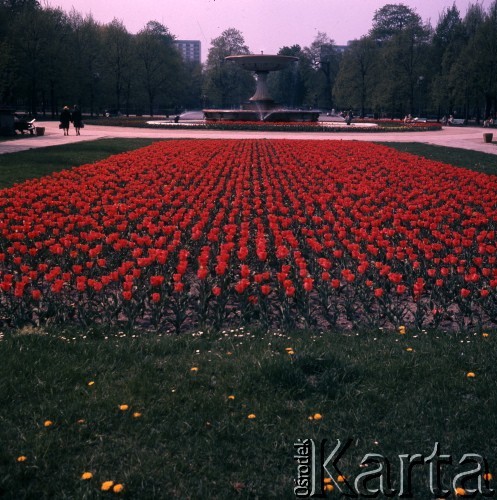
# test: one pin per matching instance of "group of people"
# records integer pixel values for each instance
(489, 122)
(67, 117)
(347, 116)
(449, 120)
(409, 119)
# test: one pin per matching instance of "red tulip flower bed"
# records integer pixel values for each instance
(186, 234)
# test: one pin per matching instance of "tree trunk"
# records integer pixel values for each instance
(33, 100)
(53, 105)
(151, 103)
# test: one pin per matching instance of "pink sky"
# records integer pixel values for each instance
(266, 25)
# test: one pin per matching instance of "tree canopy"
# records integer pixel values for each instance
(227, 84)
(50, 58)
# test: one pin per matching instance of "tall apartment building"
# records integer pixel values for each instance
(189, 49)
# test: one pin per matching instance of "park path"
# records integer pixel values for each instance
(456, 137)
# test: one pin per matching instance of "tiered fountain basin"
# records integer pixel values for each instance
(247, 115)
(261, 106)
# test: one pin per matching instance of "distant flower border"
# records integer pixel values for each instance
(382, 125)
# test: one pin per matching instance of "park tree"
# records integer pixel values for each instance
(481, 58)
(449, 40)
(392, 19)
(226, 84)
(355, 80)
(403, 42)
(458, 88)
(288, 85)
(17, 6)
(159, 62)
(9, 77)
(449, 29)
(38, 40)
(119, 62)
(471, 77)
(88, 50)
(324, 59)
(463, 82)
(8, 73)
(473, 19)
(58, 79)
(192, 95)
(23, 38)
(10, 9)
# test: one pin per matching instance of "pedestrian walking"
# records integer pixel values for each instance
(65, 119)
(76, 119)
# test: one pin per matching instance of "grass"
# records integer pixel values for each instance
(18, 167)
(191, 440)
(473, 160)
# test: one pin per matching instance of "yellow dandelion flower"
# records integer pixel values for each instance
(47, 423)
(118, 488)
(485, 335)
(409, 349)
(107, 485)
(471, 375)
(317, 416)
(194, 369)
(327, 480)
(231, 396)
(402, 330)
(341, 479)
(290, 352)
(328, 487)
(22, 458)
(124, 407)
(460, 492)
(251, 416)
(487, 476)
(86, 476)
(91, 383)
(137, 414)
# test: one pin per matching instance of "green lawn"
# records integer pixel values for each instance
(18, 167)
(186, 431)
(191, 440)
(473, 160)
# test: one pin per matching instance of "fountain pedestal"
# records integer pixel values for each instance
(261, 106)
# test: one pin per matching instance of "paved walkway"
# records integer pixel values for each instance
(456, 137)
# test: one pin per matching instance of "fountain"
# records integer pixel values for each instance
(261, 107)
